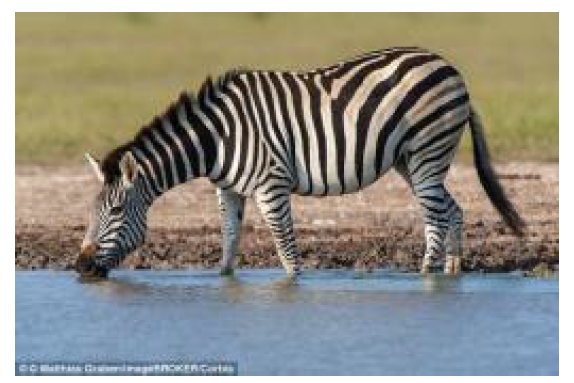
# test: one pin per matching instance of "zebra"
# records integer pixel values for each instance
(268, 134)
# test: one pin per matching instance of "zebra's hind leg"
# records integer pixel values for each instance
(454, 237)
(275, 207)
(432, 198)
(231, 206)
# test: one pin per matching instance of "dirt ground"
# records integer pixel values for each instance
(379, 227)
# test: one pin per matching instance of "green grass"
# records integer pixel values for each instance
(87, 82)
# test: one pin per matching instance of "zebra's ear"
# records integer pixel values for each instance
(95, 164)
(129, 169)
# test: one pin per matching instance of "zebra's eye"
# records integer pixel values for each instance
(116, 210)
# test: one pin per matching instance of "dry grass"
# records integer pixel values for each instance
(88, 81)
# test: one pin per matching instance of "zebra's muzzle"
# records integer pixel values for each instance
(88, 268)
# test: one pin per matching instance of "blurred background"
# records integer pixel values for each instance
(88, 82)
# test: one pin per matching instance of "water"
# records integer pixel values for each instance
(331, 322)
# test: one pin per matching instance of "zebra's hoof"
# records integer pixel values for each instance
(452, 265)
(226, 271)
(430, 266)
(294, 274)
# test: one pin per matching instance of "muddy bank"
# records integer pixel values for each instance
(379, 227)
(489, 249)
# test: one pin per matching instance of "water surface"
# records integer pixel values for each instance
(330, 322)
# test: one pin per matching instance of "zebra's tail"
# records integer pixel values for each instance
(489, 179)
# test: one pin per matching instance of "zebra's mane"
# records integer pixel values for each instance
(210, 88)
(110, 164)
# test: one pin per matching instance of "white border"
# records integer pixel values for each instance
(7, 150)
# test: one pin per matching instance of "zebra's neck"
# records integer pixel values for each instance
(177, 146)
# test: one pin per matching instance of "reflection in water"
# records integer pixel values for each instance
(326, 322)
(435, 283)
(118, 287)
(277, 291)
(231, 288)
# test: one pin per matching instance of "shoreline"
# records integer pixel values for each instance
(490, 248)
(379, 227)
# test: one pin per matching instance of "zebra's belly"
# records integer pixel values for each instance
(333, 185)
(346, 171)
(352, 164)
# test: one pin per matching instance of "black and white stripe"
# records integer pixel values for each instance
(331, 131)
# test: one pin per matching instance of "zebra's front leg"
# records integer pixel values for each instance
(231, 206)
(275, 207)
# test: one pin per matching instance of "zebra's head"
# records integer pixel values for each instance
(117, 219)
